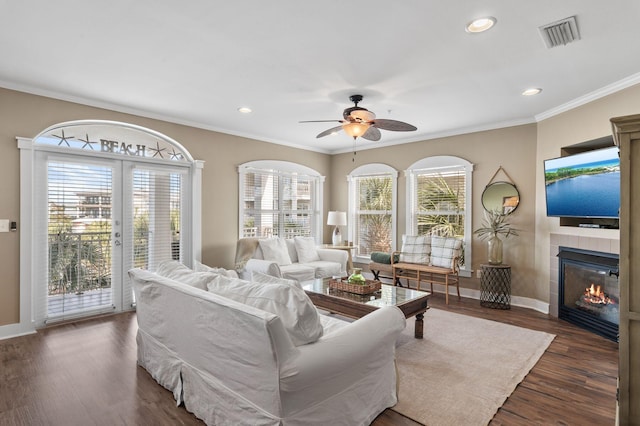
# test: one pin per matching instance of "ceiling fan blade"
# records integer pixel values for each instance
(394, 125)
(321, 121)
(371, 134)
(329, 131)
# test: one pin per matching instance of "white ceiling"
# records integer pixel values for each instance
(195, 62)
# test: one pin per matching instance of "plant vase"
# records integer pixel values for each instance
(494, 250)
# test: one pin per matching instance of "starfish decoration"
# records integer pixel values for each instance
(175, 155)
(87, 142)
(157, 150)
(63, 138)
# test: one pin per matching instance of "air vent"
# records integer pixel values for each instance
(560, 33)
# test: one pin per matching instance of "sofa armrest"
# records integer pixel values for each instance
(333, 255)
(349, 352)
(267, 267)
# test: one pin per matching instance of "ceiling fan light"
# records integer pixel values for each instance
(355, 129)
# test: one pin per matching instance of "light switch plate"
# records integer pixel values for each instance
(4, 225)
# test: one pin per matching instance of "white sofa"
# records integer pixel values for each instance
(231, 363)
(293, 258)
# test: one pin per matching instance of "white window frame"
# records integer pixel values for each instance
(371, 170)
(284, 168)
(433, 165)
(28, 187)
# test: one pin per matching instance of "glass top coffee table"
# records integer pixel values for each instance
(410, 302)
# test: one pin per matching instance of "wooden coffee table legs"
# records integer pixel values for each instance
(417, 333)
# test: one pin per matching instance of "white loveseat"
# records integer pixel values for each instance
(293, 258)
(231, 363)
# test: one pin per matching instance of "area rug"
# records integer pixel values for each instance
(464, 369)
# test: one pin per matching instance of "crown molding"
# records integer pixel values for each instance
(590, 97)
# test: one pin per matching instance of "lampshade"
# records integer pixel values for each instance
(355, 129)
(337, 218)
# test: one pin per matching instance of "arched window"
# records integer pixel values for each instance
(279, 198)
(439, 200)
(102, 197)
(372, 209)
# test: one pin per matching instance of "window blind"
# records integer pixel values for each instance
(156, 216)
(440, 201)
(79, 256)
(277, 204)
(373, 226)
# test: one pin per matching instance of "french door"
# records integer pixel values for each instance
(95, 219)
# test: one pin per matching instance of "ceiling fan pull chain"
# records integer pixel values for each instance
(353, 159)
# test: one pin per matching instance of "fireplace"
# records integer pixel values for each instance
(589, 291)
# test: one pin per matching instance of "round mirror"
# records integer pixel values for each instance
(500, 196)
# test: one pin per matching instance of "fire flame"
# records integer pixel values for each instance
(596, 295)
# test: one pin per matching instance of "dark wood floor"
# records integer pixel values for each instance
(85, 373)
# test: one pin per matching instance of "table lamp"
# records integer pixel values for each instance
(337, 219)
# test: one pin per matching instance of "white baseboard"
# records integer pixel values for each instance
(15, 330)
(522, 302)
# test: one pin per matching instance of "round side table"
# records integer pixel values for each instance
(495, 286)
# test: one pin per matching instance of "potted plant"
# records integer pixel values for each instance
(495, 223)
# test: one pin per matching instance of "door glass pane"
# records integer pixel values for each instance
(157, 201)
(79, 237)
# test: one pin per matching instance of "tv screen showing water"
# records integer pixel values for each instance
(584, 185)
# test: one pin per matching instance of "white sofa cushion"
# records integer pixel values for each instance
(259, 277)
(201, 267)
(443, 250)
(275, 250)
(306, 249)
(415, 249)
(298, 271)
(291, 304)
(325, 268)
(291, 248)
(183, 274)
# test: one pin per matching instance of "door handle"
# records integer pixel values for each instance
(116, 242)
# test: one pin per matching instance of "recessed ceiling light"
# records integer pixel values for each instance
(244, 110)
(481, 24)
(531, 92)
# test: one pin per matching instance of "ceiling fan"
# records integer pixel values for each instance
(360, 122)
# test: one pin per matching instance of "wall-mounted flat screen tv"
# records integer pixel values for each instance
(584, 185)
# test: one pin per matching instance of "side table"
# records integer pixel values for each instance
(495, 286)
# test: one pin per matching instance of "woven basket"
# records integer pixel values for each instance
(370, 286)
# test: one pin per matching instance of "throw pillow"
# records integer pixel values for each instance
(291, 304)
(259, 277)
(443, 250)
(178, 272)
(201, 267)
(306, 248)
(275, 250)
(415, 249)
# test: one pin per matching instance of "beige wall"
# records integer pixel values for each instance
(26, 115)
(513, 148)
(590, 121)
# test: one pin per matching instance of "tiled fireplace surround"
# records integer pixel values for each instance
(606, 245)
